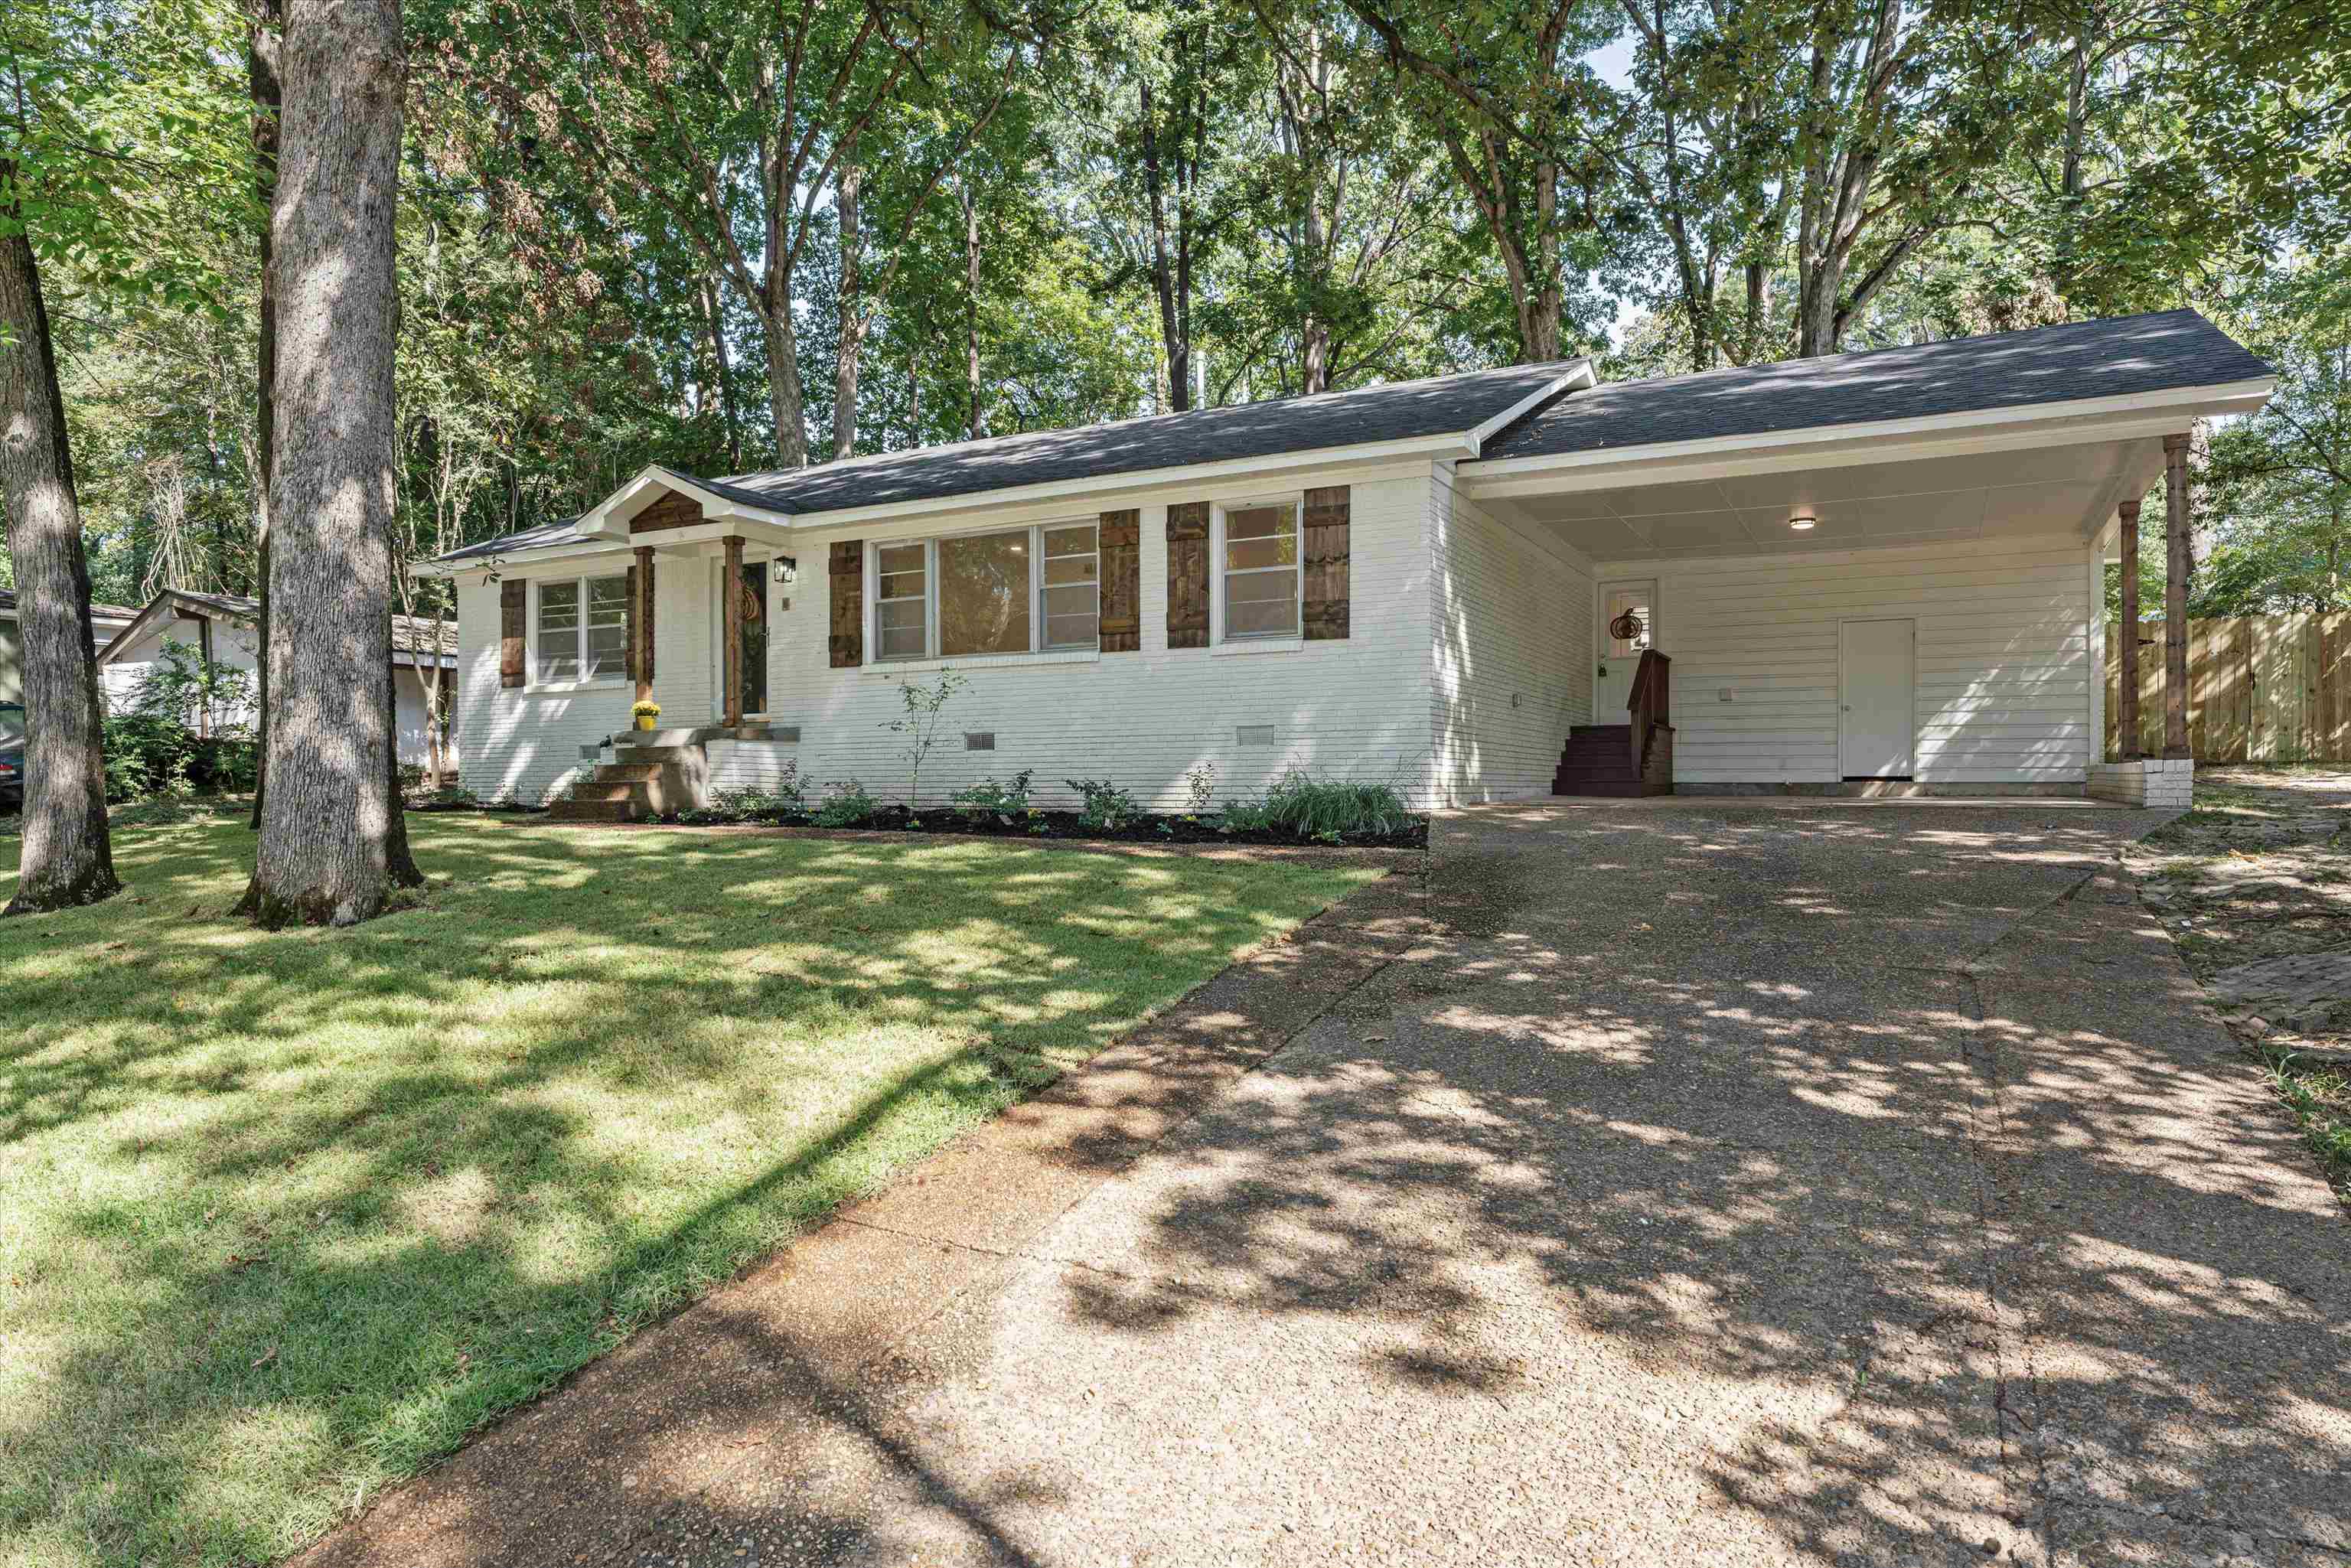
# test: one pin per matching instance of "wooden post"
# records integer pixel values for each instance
(2127, 722)
(731, 660)
(2175, 596)
(640, 624)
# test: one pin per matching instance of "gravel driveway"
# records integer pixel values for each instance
(1651, 1182)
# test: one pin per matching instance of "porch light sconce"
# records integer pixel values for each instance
(1801, 519)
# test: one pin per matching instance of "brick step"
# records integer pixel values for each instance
(629, 772)
(651, 756)
(576, 810)
(598, 790)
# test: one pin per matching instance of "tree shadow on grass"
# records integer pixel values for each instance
(334, 1200)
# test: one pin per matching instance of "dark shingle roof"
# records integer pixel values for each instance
(410, 634)
(111, 612)
(1400, 410)
(555, 533)
(2001, 370)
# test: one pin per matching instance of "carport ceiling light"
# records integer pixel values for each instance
(1801, 518)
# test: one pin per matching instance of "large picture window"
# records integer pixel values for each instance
(1261, 567)
(984, 594)
(584, 630)
(1021, 591)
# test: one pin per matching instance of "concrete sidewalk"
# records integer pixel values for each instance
(1712, 1183)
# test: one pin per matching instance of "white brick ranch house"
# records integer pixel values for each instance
(1877, 572)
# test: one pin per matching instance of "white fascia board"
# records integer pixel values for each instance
(520, 562)
(2131, 417)
(1577, 377)
(763, 531)
(1452, 444)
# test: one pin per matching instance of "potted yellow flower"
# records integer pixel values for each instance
(646, 713)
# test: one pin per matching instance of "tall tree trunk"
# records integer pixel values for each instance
(786, 402)
(847, 190)
(329, 846)
(67, 857)
(715, 316)
(977, 423)
(1165, 281)
(263, 34)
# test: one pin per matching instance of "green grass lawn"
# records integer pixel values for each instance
(282, 1216)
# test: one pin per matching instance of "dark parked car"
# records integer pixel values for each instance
(12, 757)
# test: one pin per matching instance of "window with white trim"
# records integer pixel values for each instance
(1262, 583)
(582, 629)
(1014, 590)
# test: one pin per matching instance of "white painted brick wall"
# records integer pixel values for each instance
(1357, 708)
(1510, 657)
(524, 743)
(2158, 783)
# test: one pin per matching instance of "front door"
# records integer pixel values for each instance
(752, 591)
(1876, 699)
(1620, 655)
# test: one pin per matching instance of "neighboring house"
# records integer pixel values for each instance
(225, 629)
(105, 620)
(1877, 570)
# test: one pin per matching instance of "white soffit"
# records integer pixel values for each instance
(2066, 490)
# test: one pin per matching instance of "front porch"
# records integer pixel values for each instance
(722, 570)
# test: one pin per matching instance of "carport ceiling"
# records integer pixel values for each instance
(2067, 490)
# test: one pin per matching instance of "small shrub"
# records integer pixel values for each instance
(1200, 783)
(786, 798)
(1310, 807)
(846, 803)
(988, 796)
(919, 724)
(146, 754)
(1106, 807)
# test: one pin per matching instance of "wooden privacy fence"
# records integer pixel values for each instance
(2260, 688)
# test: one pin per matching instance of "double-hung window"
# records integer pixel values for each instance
(584, 630)
(1018, 591)
(1261, 579)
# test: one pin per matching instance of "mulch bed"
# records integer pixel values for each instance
(944, 822)
(1146, 829)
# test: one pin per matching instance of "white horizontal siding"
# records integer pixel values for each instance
(1509, 671)
(2005, 677)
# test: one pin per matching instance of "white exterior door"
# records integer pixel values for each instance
(1620, 656)
(1877, 698)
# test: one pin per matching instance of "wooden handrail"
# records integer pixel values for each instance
(1649, 704)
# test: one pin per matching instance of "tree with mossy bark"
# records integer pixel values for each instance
(69, 858)
(94, 142)
(332, 848)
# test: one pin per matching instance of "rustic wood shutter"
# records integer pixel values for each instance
(848, 640)
(513, 606)
(1188, 575)
(1324, 542)
(628, 623)
(1121, 581)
